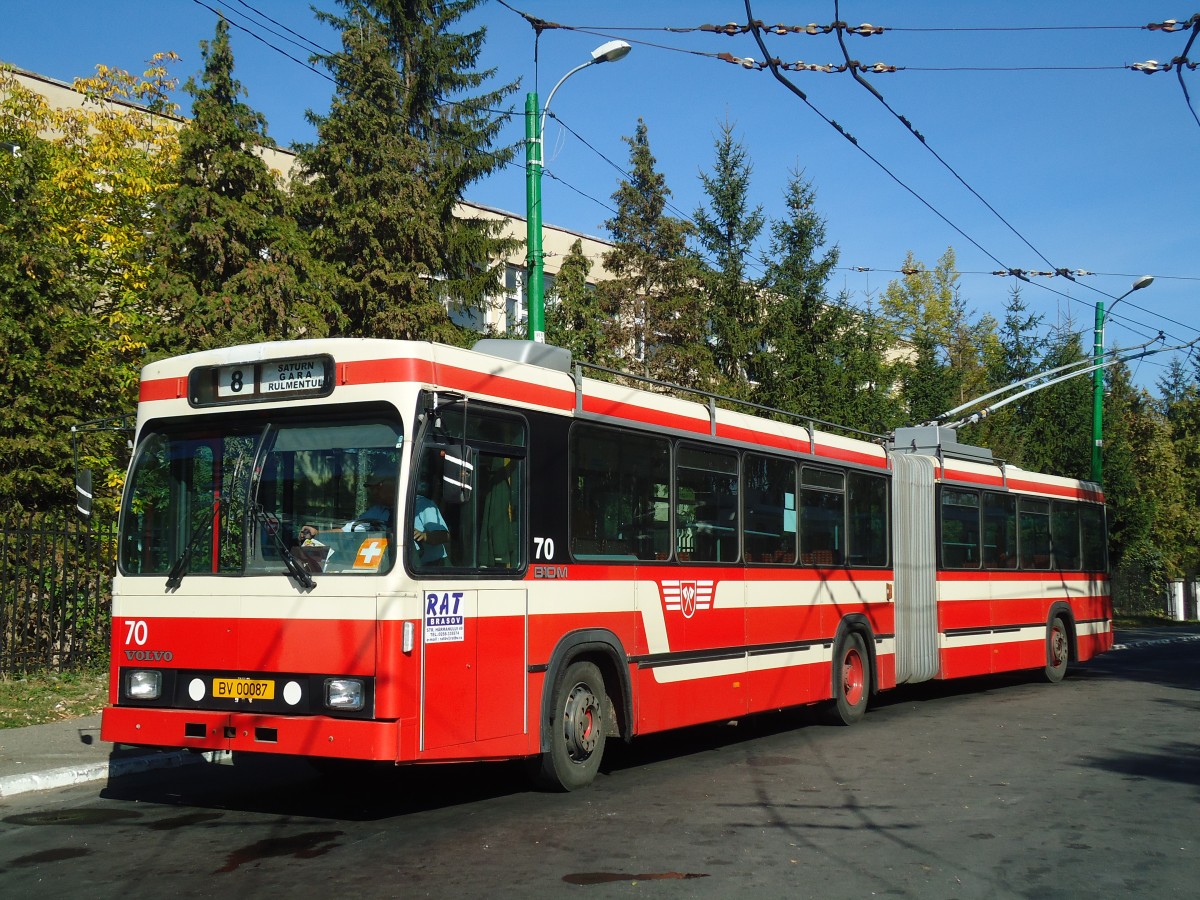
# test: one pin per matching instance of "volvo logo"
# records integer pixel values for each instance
(149, 655)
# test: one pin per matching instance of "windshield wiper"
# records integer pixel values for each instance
(179, 567)
(294, 566)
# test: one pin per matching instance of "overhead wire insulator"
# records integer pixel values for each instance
(1150, 65)
(866, 30)
(746, 62)
(729, 28)
(801, 66)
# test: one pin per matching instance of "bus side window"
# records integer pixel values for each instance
(999, 531)
(1064, 534)
(770, 510)
(1095, 541)
(822, 516)
(1034, 536)
(960, 529)
(619, 494)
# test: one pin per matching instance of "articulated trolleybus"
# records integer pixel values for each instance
(402, 551)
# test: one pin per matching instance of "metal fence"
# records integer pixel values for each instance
(55, 592)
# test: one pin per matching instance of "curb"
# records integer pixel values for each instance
(12, 785)
(1153, 642)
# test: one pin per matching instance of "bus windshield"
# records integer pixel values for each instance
(240, 497)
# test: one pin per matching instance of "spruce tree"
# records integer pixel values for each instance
(657, 311)
(1016, 354)
(815, 355)
(407, 132)
(232, 265)
(726, 230)
(1175, 385)
(1056, 423)
(574, 316)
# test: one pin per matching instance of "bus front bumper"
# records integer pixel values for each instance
(292, 735)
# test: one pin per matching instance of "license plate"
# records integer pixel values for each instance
(243, 689)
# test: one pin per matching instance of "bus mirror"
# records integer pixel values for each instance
(83, 493)
(458, 474)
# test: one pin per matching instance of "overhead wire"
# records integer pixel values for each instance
(1179, 70)
(862, 30)
(871, 89)
(499, 157)
(541, 25)
(796, 90)
(316, 47)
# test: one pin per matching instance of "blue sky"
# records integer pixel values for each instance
(1093, 166)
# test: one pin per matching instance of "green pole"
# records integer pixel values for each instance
(1098, 395)
(533, 210)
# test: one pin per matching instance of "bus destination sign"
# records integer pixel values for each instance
(275, 379)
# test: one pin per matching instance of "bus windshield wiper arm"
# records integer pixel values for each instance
(293, 565)
(179, 567)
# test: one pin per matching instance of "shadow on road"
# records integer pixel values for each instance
(367, 792)
(293, 787)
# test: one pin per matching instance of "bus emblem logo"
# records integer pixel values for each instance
(687, 596)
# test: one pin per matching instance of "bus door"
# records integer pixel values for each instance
(467, 510)
(915, 555)
(475, 656)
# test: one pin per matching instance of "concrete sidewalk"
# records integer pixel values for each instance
(60, 754)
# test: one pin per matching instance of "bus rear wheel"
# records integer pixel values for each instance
(577, 730)
(1058, 651)
(851, 681)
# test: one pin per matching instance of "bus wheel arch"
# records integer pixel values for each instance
(853, 672)
(587, 698)
(1061, 647)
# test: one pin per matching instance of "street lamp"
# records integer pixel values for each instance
(535, 129)
(1098, 376)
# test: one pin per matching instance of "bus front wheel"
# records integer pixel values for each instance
(577, 730)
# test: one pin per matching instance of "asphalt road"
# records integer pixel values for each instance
(990, 788)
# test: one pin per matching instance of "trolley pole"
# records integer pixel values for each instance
(534, 292)
(1098, 394)
(1098, 377)
(535, 130)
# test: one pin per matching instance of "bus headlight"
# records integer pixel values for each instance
(145, 684)
(344, 693)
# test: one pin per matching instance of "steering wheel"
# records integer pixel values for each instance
(367, 525)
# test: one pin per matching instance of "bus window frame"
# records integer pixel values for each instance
(474, 411)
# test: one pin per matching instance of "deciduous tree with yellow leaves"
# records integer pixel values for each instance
(75, 217)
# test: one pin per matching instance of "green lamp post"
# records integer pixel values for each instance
(535, 129)
(1098, 376)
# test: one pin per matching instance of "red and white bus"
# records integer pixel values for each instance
(576, 559)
